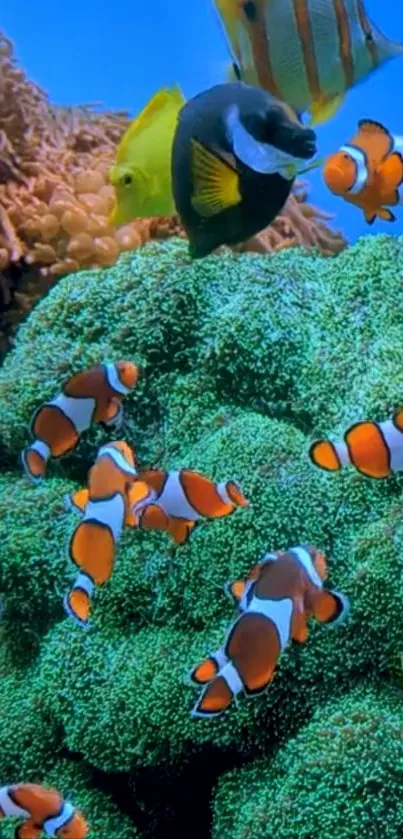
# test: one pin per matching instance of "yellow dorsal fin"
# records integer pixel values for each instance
(215, 182)
(370, 126)
(323, 110)
(159, 101)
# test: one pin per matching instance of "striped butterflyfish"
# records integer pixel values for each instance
(308, 53)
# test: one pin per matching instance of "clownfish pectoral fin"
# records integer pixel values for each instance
(214, 700)
(153, 517)
(299, 629)
(113, 417)
(215, 182)
(391, 174)
(180, 530)
(322, 110)
(323, 453)
(34, 464)
(385, 214)
(235, 590)
(76, 501)
(330, 607)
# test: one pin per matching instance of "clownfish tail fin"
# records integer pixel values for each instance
(235, 494)
(214, 700)
(77, 603)
(208, 669)
(323, 454)
(331, 607)
(34, 459)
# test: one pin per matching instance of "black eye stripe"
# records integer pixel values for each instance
(250, 10)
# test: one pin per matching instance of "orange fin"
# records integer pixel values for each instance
(330, 606)
(77, 501)
(204, 672)
(179, 530)
(215, 699)
(323, 454)
(391, 173)
(34, 464)
(397, 420)
(370, 216)
(385, 214)
(235, 590)
(154, 518)
(371, 126)
(299, 629)
(77, 605)
(113, 415)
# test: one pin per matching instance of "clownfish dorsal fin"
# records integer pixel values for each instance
(371, 126)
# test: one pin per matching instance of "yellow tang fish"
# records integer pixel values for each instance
(141, 175)
(306, 52)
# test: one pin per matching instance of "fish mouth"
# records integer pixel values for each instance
(296, 140)
(335, 179)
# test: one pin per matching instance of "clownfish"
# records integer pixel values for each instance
(180, 499)
(368, 171)
(93, 395)
(44, 811)
(374, 448)
(275, 601)
(105, 506)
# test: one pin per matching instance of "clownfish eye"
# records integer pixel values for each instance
(127, 180)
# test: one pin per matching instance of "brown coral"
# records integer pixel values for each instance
(55, 200)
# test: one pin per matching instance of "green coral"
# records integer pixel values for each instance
(341, 776)
(245, 359)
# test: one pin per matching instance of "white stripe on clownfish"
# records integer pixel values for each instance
(109, 512)
(305, 559)
(114, 381)
(8, 806)
(54, 823)
(77, 409)
(118, 459)
(361, 163)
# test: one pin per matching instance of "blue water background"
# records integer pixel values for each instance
(119, 53)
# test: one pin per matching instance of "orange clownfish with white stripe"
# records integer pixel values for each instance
(181, 499)
(43, 810)
(106, 508)
(368, 171)
(374, 448)
(92, 395)
(276, 599)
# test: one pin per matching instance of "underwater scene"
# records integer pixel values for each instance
(201, 420)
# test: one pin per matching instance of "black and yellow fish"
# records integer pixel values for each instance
(235, 155)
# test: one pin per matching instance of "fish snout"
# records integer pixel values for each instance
(336, 178)
(305, 143)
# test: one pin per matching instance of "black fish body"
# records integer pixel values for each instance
(263, 196)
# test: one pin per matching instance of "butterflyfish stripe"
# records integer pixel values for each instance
(301, 12)
(345, 46)
(368, 35)
(259, 37)
(280, 58)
